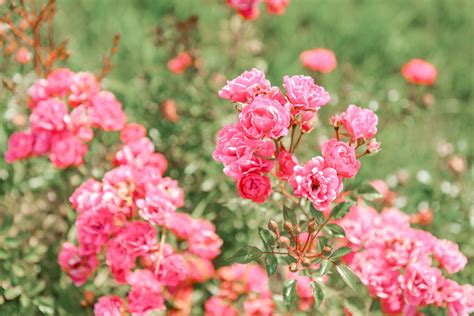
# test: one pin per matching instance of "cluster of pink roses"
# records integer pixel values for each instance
(65, 106)
(250, 147)
(118, 219)
(401, 265)
(236, 281)
(249, 9)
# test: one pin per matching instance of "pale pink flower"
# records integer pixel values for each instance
(319, 59)
(256, 279)
(277, 7)
(247, 9)
(448, 255)
(86, 196)
(359, 224)
(136, 153)
(180, 225)
(264, 117)
(84, 86)
(79, 267)
(42, 142)
(286, 163)
(49, 115)
(172, 191)
(359, 123)
(204, 242)
(306, 120)
(341, 157)
(173, 270)
(94, 229)
(132, 132)
(106, 112)
(304, 94)
(20, 146)
(180, 63)
(110, 305)
(67, 150)
(420, 284)
(321, 185)
(23, 55)
(155, 207)
(119, 260)
(246, 86)
(145, 294)
(255, 187)
(373, 146)
(260, 306)
(59, 82)
(38, 92)
(420, 72)
(79, 123)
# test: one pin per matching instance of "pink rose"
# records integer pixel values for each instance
(135, 153)
(94, 229)
(119, 260)
(38, 92)
(106, 112)
(180, 225)
(23, 55)
(247, 9)
(246, 86)
(49, 115)
(204, 242)
(255, 187)
(340, 156)
(319, 59)
(200, 270)
(86, 196)
(286, 164)
(83, 87)
(132, 132)
(111, 305)
(261, 306)
(137, 238)
(79, 123)
(320, 184)
(180, 63)
(42, 143)
(67, 150)
(392, 305)
(264, 117)
(59, 82)
(155, 208)
(420, 284)
(418, 71)
(359, 123)
(172, 191)
(173, 270)
(216, 306)
(77, 266)
(448, 255)
(145, 294)
(277, 7)
(20, 146)
(304, 94)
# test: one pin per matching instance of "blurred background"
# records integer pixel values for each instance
(427, 147)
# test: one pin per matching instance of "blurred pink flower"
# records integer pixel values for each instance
(132, 132)
(247, 9)
(420, 72)
(110, 305)
(319, 59)
(286, 164)
(216, 306)
(180, 63)
(23, 55)
(145, 294)
(277, 7)
(20, 146)
(79, 267)
(448, 255)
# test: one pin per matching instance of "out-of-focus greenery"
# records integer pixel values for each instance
(372, 40)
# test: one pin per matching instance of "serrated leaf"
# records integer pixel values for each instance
(266, 237)
(340, 252)
(289, 294)
(271, 264)
(245, 255)
(317, 293)
(340, 210)
(318, 215)
(334, 230)
(289, 215)
(325, 267)
(347, 275)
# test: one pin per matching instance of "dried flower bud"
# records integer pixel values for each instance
(457, 164)
(306, 262)
(284, 241)
(169, 110)
(273, 226)
(297, 229)
(326, 249)
(293, 267)
(288, 226)
(312, 226)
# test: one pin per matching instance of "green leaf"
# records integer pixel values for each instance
(266, 237)
(271, 264)
(334, 230)
(317, 293)
(340, 210)
(245, 255)
(322, 242)
(340, 252)
(12, 292)
(347, 275)
(371, 196)
(325, 267)
(318, 215)
(289, 215)
(6, 223)
(289, 293)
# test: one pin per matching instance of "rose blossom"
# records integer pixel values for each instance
(180, 225)
(137, 238)
(180, 63)
(418, 71)
(421, 283)
(359, 123)
(304, 94)
(49, 115)
(38, 92)
(173, 270)
(320, 184)
(59, 82)
(23, 55)
(155, 208)
(145, 293)
(111, 305)
(204, 242)
(245, 86)
(449, 257)
(216, 306)
(132, 132)
(94, 229)
(286, 163)
(172, 191)
(319, 59)
(247, 9)
(106, 112)
(255, 187)
(77, 266)
(340, 156)
(84, 86)
(264, 117)
(277, 7)
(20, 146)
(261, 306)
(67, 150)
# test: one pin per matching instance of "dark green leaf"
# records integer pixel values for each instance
(289, 215)
(334, 230)
(289, 293)
(347, 275)
(245, 255)
(317, 293)
(271, 263)
(340, 252)
(340, 210)
(318, 215)
(6, 223)
(325, 267)
(266, 237)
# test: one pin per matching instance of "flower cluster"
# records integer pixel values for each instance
(249, 9)
(65, 108)
(254, 145)
(239, 280)
(118, 219)
(402, 266)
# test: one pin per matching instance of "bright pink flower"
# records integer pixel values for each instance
(319, 59)
(135, 153)
(86, 196)
(256, 279)
(172, 191)
(67, 150)
(119, 260)
(321, 185)
(59, 82)
(79, 123)
(94, 229)
(204, 242)
(448, 255)
(83, 87)
(200, 270)
(42, 142)
(255, 187)
(145, 293)
(304, 94)
(216, 306)
(418, 71)
(246, 86)
(49, 115)
(38, 92)
(264, 117)
(77, 266)
(358, 225)
(247, 9)
(260, 306)
(392, 305)
(20, 146)
(156, 208)
(420, 284)
(180, 225)
(340, 156)
(180, 63)
(173, 270)
(277, 7)
(132, 132)
(111, 305)
(23, 55)
(286, 164)
(137, 238)
(359, 123)
(106, 112)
